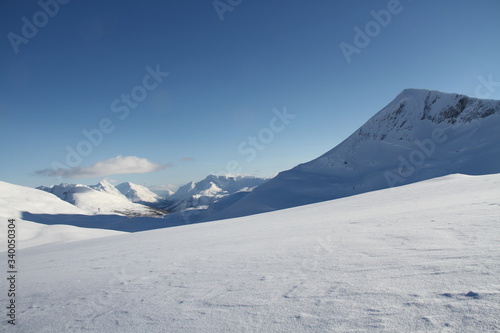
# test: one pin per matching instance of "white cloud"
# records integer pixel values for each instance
(114, 166)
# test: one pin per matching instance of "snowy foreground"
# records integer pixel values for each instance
(395, 260)
(15, 199)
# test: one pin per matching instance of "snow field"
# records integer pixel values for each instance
(395, 260)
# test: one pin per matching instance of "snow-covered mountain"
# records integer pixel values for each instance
(138, 193)
(419, 135)
(106, 187)
(197, 201)
(211, 189)
(416, 258)
(217, 186)
(16, 201)
(102, 198)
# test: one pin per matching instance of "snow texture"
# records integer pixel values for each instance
(415, 258)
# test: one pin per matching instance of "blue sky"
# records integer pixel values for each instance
(271, 71)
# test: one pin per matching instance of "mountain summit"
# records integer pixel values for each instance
(137, 193)
(421, 134)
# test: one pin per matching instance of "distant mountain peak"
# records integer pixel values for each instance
(213, 190)
(137, 193)
(106, 187)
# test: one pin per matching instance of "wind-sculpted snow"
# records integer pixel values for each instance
(416, 258)
(420, 135)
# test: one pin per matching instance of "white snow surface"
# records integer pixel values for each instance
(420, 135)
(396, 260)
(15, 199)
(30, 234)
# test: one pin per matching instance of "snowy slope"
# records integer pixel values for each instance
(106, 187)
(137, 193)
(416, 258)
(420, 135)
(31, 234)
(102, 198)
(16, 200)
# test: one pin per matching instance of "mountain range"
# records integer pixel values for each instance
(193, 201)
(102, 198)
(421, 134)
(417, 252)
(196, 201)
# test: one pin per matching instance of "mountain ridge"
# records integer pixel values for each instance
(138, 193)
(421, 134)
(102, 198)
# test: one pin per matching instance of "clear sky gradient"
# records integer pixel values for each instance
(233, 69)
